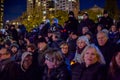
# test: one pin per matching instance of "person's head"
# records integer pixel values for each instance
(14, 47)
(55, 20)
(82, 41)
(56, 36)
(12, 27)
(64, 47)
(99, 27)
(85, 29)
(113, 28)
(4, 53)
(102, 38)
(115, 62)
(89, 35)
(7, 44)
(26, 60)
(74, 35)
(91, 54)
(85, 16)
(71, 14)
(31, 48)
(53, 58)
(49, 34)
(41, 43)
(105, 13)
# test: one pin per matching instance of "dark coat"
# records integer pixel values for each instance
(60, 73)
(87, 22)
(72, 24)
(29, 74)
(41, 59)
(9, 71)
(72, 45)
(92, 72)
(106, 22)
(114, 76)
(108, 50)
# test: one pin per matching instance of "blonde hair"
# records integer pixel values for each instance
(64, 44)
(98, 53)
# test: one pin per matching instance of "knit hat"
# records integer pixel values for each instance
(105, 12)
(71, 13)
(14, 45)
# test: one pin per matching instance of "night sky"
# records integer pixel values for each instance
(15, 8)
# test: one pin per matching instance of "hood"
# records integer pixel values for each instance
(23, 57)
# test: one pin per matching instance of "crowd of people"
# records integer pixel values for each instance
(82, 50)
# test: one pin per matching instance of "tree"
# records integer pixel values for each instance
(112, 7)
(62, 16)
(33, 19)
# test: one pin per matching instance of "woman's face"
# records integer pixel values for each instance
(90, 56)
(50, 64)
(99, 28)
(81, 44)
(64, 49)
(117, 58)
(84, 30)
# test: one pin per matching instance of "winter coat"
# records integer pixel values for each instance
(114, 76)
(106, 22)
(93, 72)
(59, 73)
(108, 51)
(9, 70)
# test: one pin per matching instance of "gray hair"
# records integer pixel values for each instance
(98, 53)
(104, 31)
(84, 38)
(54, 55)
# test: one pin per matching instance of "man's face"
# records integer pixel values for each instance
(14, 49)
(27, 62)
(85, 16)
(102, 39)
(41, 45)
(3, 54)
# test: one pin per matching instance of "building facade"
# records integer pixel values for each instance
(1, 12)
(50, 6)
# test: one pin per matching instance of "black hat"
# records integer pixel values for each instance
(105, 12)
(71, 13)
(42, 39)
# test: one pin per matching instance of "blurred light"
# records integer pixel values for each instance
(13, 23)
(44, 12)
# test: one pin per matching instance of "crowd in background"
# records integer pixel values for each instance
(82, 50)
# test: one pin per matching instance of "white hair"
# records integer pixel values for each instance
(84, 38)
(105, 32)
